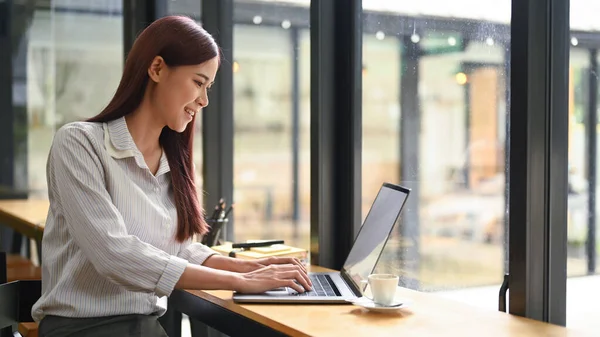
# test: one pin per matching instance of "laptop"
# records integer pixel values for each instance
(349, 283)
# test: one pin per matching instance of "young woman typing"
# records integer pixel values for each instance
(123, 202)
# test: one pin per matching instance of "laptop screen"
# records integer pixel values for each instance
(374, 233)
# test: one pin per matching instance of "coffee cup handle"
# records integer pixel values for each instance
(365, 282)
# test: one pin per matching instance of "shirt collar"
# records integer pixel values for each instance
(120, 144)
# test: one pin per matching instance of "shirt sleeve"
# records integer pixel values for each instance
(76, 182)
(195, 252)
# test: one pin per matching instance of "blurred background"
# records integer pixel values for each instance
(68, 61)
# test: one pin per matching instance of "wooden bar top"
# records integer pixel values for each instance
(26, 216)
(427, 315)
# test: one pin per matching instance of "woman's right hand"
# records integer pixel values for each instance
(272, 277)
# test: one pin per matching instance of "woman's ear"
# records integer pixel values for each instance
(156, 68)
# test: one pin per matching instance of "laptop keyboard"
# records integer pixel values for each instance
(322, 286)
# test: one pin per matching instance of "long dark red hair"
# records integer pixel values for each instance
(180, 41)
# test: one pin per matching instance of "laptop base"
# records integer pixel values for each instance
(288, 295)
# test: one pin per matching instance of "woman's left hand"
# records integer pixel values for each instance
(267, 261)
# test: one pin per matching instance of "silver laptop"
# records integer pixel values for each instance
(338, 287)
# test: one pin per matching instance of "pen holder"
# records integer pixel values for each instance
(212, 238)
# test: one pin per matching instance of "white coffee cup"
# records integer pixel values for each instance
(383, 287)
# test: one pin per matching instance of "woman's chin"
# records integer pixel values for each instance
(179, 127)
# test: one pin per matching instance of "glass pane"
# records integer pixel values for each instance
(577, 219)
(191, 8)
(272, 123)
(13, 101)
(582, 251)
(434, 120)
(74, 61)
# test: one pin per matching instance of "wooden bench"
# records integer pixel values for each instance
(21, 268)
(29, 272)
(14, 260)
(29, 329)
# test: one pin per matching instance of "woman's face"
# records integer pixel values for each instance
(181, 92)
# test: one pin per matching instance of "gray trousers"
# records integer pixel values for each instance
(111, 326)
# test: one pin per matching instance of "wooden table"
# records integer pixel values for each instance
(427, 315)
(25, 216)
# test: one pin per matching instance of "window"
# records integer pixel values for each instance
(434, 120)
(578, 214)
(74, 60)
(191, 8)
(271, 66)
(582, 231)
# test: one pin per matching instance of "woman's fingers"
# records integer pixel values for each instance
(300, 264)
(296, 275)
(293, 285)
(287, 260)
(306, 279)
(284, 267)
(303, 275)
(278, 275)
(294, 261)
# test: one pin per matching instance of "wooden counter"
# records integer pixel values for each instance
(427, 315)
(26, 216)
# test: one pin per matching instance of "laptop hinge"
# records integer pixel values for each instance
(350, 282)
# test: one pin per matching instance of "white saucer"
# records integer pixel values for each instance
(372, 306)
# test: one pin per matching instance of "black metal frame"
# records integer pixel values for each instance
(591, 136)
(6, 100)
(217, 127)
(15, 18)
(217, 118)
(336, 128)
(137, 15)
(538, 159)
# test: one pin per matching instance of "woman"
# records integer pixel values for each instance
(123, 206)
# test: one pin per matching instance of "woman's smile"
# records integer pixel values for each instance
(189, 111)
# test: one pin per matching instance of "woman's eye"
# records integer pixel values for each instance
(198, 83)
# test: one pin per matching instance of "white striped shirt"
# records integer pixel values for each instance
(109, 243)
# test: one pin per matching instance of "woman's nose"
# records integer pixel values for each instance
(202, 102)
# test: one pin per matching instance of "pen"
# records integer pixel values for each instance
(222, 205)
(229, 210)
(256, 244)
(215, 213)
